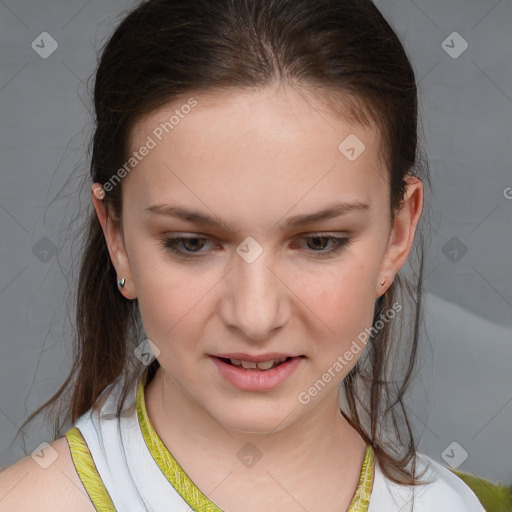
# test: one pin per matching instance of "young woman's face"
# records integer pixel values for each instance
(251, 282)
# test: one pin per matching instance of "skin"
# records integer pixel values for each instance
(254, 159)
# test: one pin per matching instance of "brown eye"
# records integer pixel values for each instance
(184, 246)
(319, 242)
(191, 244)
(324, 245)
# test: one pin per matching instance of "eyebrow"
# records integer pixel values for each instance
(332, 211)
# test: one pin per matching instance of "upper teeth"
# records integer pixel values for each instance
(264, 365)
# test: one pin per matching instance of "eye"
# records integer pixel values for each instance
(192, 245)
(318, 243)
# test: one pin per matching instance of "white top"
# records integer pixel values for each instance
(136, 483)
(446, 493)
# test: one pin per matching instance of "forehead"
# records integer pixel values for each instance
(277, 145)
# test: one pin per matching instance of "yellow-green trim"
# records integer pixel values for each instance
(87, 471)
(193, 495)
(166, 462)
(361, 500)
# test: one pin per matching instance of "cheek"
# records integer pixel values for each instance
(167, 306)
(342, 301)
(170, 310)
(171, 299)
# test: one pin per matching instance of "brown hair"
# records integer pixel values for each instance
(167, 49)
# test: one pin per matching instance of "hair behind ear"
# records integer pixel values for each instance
(104, 322)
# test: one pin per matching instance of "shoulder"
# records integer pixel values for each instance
(443, 491)
(47, 482)
(446, 489)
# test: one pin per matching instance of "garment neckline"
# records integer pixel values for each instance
(193, 496)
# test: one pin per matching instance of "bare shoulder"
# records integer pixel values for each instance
(46, 482)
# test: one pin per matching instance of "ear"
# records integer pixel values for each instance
(402, 234)
(115, 242)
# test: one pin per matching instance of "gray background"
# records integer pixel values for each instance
(464, 392)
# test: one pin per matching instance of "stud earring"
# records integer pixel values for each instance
(382, 283)
(121, 282)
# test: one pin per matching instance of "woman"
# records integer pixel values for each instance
(256, 191)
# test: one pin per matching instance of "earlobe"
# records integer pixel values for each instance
(115, 243)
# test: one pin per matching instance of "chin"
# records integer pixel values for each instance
(254, 420)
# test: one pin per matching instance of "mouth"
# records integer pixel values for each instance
(260, 366)
(257, 373)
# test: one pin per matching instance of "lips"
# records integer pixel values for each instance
(256, 358)
(256, 372)
(252, 365)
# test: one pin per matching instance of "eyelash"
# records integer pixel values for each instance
(171, 244)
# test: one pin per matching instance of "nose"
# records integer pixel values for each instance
(254, 301)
